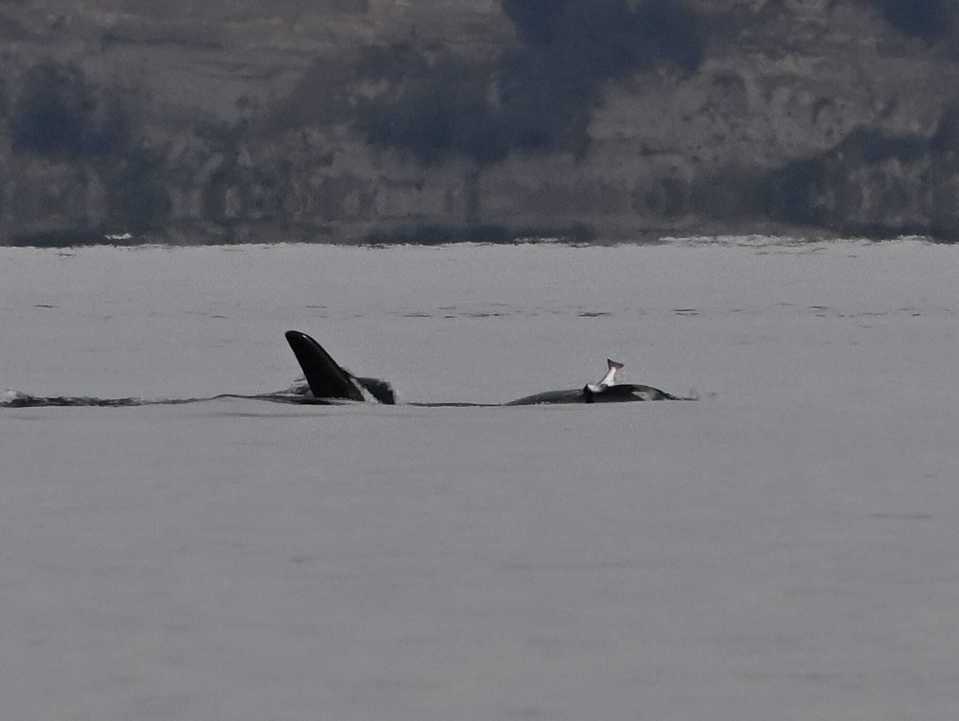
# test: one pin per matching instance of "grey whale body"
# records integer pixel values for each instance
(328, 380)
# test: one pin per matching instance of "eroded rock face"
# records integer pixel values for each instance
(239, 121)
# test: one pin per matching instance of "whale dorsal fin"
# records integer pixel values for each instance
(324, 375)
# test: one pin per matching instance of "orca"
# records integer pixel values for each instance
(602, 392)
(328, 380)
(606, 391)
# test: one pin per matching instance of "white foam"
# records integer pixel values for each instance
(10, 397)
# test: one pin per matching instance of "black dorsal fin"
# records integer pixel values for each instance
(326, 378)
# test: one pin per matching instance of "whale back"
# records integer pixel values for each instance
(618, 393)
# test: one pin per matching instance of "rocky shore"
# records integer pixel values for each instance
(384, 121)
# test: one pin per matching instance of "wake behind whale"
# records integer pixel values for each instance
(18, 399)
(328, 383)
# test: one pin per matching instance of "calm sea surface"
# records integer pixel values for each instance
(784, 548)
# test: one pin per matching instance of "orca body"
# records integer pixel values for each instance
(619, 393)
(330, 381)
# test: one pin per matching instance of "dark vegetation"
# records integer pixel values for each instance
(437, 234)
(609, 38)
(139, 200)
(946, 138)
(926, 19)
(818, 192)
(60, 114)
(869, 183)
(432, 106)
(549, 87)
(539, 96)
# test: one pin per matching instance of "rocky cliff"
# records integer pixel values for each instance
(352, 120)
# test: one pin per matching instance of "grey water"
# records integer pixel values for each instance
(784, 548)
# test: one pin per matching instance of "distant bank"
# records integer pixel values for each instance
(372, 121)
